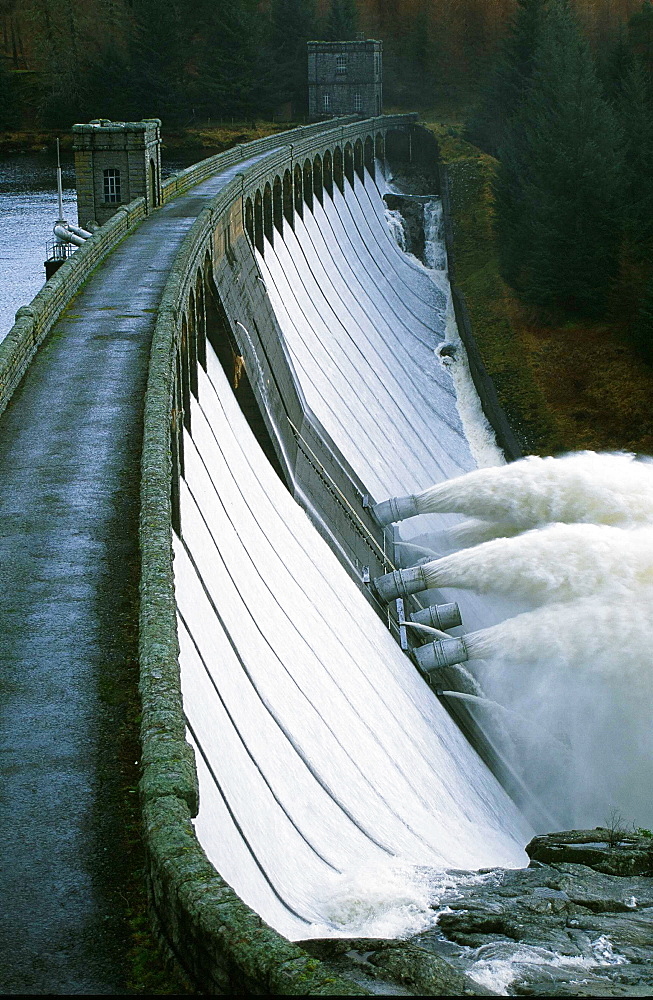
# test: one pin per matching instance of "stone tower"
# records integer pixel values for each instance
(116, 162)
(345, 78)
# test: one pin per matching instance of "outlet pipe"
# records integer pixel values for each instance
(401, 583)
(395, 509)
(445, 653)
(441, 616)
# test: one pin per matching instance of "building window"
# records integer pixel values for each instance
(341, 64)
(326, 102)
(112, 186)
(376, 64)
(358, 102)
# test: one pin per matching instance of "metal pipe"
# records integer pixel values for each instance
(444, 653)
(401, 583)
(442, 616)
(62, 233)
(395, 509)
(78, 231)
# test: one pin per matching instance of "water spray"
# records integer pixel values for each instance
(585, 486)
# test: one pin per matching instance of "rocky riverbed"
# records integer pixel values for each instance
(577, 922)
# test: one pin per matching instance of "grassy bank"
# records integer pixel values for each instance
(579, 385)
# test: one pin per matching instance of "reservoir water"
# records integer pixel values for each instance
(28, 200)
(28, 210)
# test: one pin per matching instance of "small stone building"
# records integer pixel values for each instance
(116, 162)
(345, 78)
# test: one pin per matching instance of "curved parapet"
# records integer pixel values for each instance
(302, 713)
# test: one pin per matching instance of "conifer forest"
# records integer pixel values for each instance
(560, 92)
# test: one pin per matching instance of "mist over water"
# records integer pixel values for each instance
(575, 671)
(562, 690)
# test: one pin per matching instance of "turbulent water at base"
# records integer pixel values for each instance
(572, 539)
(567, 683)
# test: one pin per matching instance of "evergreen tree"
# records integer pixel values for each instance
(291, 25)
(160, 48)
(510, 78)
(558, 210)
(223, 64)
(634, 108)
(420, 60)
(342, 20)
(8, 115)
(640, 35)
(643, 330)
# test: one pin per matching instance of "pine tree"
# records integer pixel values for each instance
(222, 69)
(510, 78)
(640, 35)
(291, 25)
(643, 329)
(634, 108)
(558, 209)
(160, 49)
(8, 117)
(342, 20)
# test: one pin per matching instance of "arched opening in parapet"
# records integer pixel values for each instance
(183, 351)
(287, 198)
(277, 205)
(192, 343)
(176, 442)
(201, 320)
(338, 169)
(221, 338)
(369, 155)
(328, 173)
(268, 225)
(249, 220)
(398, 146)
(358, 160)
(379, 147)
(299, 198)
(317, 179)
(154, 187)
(258, 222)
(349, 163)
(308, 184)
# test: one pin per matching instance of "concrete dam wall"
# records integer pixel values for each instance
(326, 765)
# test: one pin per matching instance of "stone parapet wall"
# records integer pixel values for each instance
(34, 321)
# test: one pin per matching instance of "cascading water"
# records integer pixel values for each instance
(579, 664)
(569, 539)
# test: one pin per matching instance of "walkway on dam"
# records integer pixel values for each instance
(70, 447)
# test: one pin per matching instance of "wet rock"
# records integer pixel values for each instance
(560, 929)
(613, 851)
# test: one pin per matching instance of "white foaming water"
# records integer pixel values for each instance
(556, 563)
(497, 966)
(452, 353)
(579, 665)
(396, 227)
(582, 671)
(583, 486)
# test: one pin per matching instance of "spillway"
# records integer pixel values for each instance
(328, 769)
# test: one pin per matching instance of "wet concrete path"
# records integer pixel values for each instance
(69, 466)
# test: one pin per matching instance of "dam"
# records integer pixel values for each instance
(294, 758)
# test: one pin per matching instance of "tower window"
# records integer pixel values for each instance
(112, 186)
(358, 102)
(326, 102)
(341, 64)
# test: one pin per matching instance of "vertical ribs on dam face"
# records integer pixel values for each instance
(322, 754)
